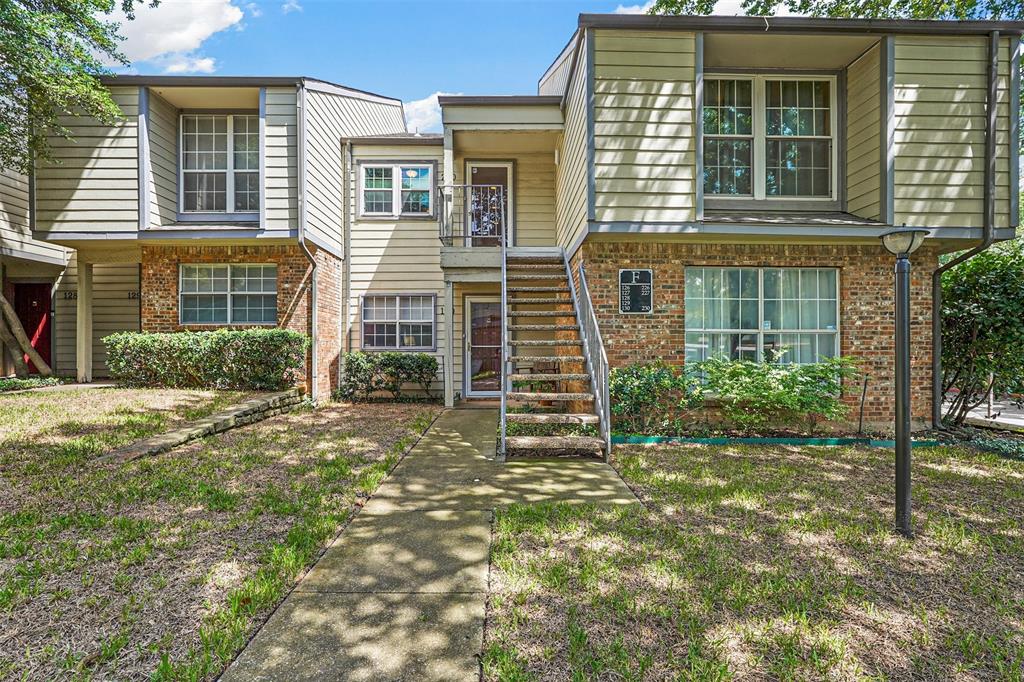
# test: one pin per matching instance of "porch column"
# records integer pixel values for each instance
(449, 355)
(83, 323)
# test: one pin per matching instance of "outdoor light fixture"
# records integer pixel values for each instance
(901, 243)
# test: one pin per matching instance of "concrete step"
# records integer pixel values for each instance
(532, 397)
(552, 418)
(543, 327)
(540, 301)
(542, 313)
(541, 376)
(523, 258)
(554, 443)
(526, 278)
(545, 342)
(536, 290)
(559, 266)
(547, 358)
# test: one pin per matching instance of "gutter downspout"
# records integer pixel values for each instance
(988, 226)
(302, 156)
(346, 287)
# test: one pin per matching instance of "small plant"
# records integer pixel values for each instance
(368, 374)
(245, 359)
(13, 384)
(649, 398)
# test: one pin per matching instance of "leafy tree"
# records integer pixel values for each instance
(862, 9)
(51, 54)
(983, 328)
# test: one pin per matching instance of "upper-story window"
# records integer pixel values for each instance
(220, 171)
(769, 137)
(396, 190)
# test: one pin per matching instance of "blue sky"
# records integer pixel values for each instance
(409, 50)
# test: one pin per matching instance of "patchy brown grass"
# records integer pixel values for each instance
(160, 568)
(768, 563)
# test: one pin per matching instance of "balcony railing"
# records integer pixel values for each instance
(472, 215)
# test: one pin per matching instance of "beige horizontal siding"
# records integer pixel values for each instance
(163, 161)
(394, 256)
(573, 168)
(863, 137)
(281, 193)
(939, 135)
(554, 82)
(533, 194)
(331, 117)
(644, 125)
(92, 207)
(15, 230)
(114, 310)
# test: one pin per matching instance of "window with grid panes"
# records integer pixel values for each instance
(396, 190)
(779, 314)
(228, 294)
(768, 137)
(220, 163)
(398, 322)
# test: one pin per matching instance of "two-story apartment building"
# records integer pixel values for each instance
(678, 187)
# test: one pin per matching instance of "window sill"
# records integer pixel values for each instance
(788, 205)
(424, 349)
(392, 218)
(218, 218)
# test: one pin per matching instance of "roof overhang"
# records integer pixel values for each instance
(796, 24)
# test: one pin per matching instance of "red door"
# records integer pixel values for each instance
(32, 304)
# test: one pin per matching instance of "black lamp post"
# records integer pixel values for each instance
(901, 243)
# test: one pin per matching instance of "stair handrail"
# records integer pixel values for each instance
(505, 366)
(594, 353)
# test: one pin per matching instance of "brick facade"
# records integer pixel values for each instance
(160, 267)
(866, 324)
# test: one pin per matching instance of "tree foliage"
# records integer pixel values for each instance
(983, 328)
(860, 9)
(51, 55)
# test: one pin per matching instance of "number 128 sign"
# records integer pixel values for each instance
(636, 288)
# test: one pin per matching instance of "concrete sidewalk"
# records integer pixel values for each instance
(400, 595)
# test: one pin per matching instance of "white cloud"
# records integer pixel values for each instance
(635, 9)
(174, 27)
(186, 64)
(291, 6)
(722, 8)
(254, 10)
(424, 115)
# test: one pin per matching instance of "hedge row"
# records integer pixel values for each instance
(244, 359)
(368, 374)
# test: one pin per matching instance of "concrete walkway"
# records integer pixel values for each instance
(1006, 415)
(400, 595)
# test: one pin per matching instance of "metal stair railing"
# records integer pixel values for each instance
(506, 369)
(596, 357)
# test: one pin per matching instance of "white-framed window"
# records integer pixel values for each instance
(396, 189)
(228, 294)
(756, 313)
(220, 171)
(398, 322)
(769, 137)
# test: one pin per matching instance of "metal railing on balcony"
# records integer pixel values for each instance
(472, 215)
(597, 359)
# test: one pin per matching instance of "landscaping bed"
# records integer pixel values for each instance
(767, 563)
(161, 568)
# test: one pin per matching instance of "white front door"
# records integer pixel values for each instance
(482, 363)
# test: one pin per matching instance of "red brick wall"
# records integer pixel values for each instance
(866, 307)
(160, 294)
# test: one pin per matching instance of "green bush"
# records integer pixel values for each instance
(649, 398)
(367, 374)
(13, 384)
(656, 399)
(245, 359)
(755, 396)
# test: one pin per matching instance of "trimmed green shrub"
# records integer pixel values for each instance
(648, 398)
(13, 384)
(245, 359)
(367, 374)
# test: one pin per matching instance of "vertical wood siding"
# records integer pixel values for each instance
(940, 93)
(330, 118)
(114, 310)
(645, 154)
(282, 191)
(863, 143)
(554, 82)
(15, 233)
(94, 188)
(163, 161)
(571, 173)
(395, 256)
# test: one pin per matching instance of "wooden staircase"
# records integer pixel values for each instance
(549, 399)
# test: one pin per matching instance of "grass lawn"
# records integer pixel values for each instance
(767, 563)
(162, 567)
